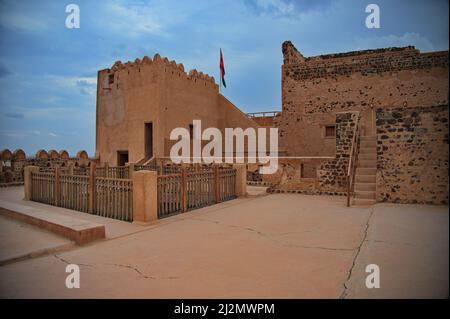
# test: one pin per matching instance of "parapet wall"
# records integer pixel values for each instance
(365, 62)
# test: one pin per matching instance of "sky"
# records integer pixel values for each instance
(48, 72)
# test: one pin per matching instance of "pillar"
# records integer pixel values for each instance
(145, 208)
(241, 180)
(27, 180)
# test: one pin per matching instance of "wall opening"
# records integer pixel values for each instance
(122, 158)
(330, 131)
(148, 140)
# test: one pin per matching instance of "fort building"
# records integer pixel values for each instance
(399, 99)
(139, 103)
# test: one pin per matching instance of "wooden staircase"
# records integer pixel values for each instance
(366, 171)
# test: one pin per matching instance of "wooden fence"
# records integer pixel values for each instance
(113, 172)
(169, 194)
(114, 198)
(74, 192)
(107, 197)
(194, 189)
(43, 187)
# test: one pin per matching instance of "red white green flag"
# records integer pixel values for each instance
(222, 70)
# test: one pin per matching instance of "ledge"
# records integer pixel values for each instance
(78, 230)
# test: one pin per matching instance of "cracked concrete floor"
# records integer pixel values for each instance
(276, 246)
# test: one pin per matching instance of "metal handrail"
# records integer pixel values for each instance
(353, 159)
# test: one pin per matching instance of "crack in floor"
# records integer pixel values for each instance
(134, 268)
(274, 240)
(69, 263)
(358, 250)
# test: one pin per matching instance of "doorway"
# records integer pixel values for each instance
(122, 158)
(148, 140)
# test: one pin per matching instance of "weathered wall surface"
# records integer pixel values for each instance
(399, 93)
(315, 89)
(159, 91)
(320, 175)
(412, 155)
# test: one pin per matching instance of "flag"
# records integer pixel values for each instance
(222, 70)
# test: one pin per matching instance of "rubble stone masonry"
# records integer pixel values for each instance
(412, 155)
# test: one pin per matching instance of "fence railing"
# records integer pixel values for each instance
(192, 189)
(200, 189)
(43, 187)
(169, 194)
(227, 182)
(74, 192)
(107, 197)
(113, 172)
(114, 198)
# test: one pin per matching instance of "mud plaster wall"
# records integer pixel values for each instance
(159, 91)
(412, 155)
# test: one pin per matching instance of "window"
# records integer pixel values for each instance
(330, 131)
(111, 78)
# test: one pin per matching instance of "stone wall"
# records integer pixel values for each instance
(314, 89)
(333, 174)
(320, 175)
(412, 155)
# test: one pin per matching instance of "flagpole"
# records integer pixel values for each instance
(220, 74)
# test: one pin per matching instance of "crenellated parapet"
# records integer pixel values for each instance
(169, 66)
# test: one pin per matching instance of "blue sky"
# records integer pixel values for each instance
(48, 72)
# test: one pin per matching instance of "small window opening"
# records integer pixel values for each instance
(330, 131)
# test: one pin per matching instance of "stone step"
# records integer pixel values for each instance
(368, 143)
(365, 178)
(368, 150)
(363, 202)
(364, 195)
(367, 163)
(365, 187)
(366, 171)
(368, 156)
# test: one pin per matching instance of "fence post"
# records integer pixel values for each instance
(106, 169)
(216, 184)
(27, 186)
(130, 170)
(92, 189)
(145, 209)
(57, 185)
(184, 190)
(241, 180)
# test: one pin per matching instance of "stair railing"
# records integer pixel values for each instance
(353, 160)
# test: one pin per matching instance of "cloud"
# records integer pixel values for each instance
(132, 19)
(284, 8)
(14, 115)
(22, 21)
(4, 71)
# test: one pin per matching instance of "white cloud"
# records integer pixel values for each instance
(20, 21)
